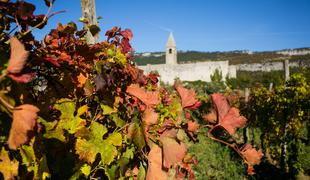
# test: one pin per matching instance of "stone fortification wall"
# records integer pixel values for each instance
(190, 72)
(270, 66)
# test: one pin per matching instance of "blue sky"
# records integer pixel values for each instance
(202, 25)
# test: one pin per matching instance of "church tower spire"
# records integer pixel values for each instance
(171, 50)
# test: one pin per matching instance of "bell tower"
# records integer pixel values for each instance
(171, 50)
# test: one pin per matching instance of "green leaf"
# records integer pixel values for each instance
(37, 166)
(136, 134)
(8, 168)
(87, 149)
(85, 169)
(107, 109)
(115, 139)
(68, 121)
(141, 174)
(119, 122)
(120, 58)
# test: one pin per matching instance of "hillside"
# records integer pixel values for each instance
(235, 57)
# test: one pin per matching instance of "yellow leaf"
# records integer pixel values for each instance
(8, 168)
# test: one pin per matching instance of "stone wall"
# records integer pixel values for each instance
(270, 66)
(190, 72)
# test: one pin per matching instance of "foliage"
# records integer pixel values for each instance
(215, 161)
(282, 114)
(76, 110)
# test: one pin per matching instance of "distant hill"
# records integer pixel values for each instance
(234, 57)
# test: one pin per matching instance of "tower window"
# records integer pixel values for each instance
(170, 51)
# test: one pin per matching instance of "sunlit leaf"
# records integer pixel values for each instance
(8, 168)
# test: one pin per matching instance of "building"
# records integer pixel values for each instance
(187, 72)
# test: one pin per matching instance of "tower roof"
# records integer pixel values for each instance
(171, 42)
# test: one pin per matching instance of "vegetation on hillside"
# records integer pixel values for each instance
(233, 57)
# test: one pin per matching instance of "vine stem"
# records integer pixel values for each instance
(233, 146)
(6, 104)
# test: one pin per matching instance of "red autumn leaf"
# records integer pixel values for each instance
(232, 120)
(18, 56)
(173, 151)
(149, 98)
(252, 157)
(154, 170)
(24, 122)
(150, 117)
(22, 78)
(127, 33)
(53, 60)
(229, 118)
(188, 97)
(210, 117)
(221, 105)
(192, 126)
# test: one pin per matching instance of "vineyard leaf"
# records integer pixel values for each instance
(210, 117)
(171, 156)
(18, 56)
(115, 139)
(155, 171)
(118, 121)
(24, 122)
(39, 167)
(107, 109)
(135, 133)
(120, 58)
(221, 105)
(87, 149)
(81, 80)
(141, 173)
(67, 120)
(8, 168)
(150, 117)
(149, 98)
(22, 78)
(232, 120)
(252, 157)
(192, 126)
(188, 97)
(52, 131)
(85, 169)
(127, 33)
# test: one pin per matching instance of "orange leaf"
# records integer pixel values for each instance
(221, 104)
(229, 118)
(210, 117)
(188, 97)
(18, 56)
(192, 126)
(173, 151)
(233, 120)
(81, 80)
(24, 122)
(150, 117)
(252, 157)
(149, 98)
(155, 171)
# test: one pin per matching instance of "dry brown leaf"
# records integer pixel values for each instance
(188, 96)
(150, 117)
(149, 98)
(221, 104)
(18, 56)
(173, 151)
(24, 122)
(155, 170)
